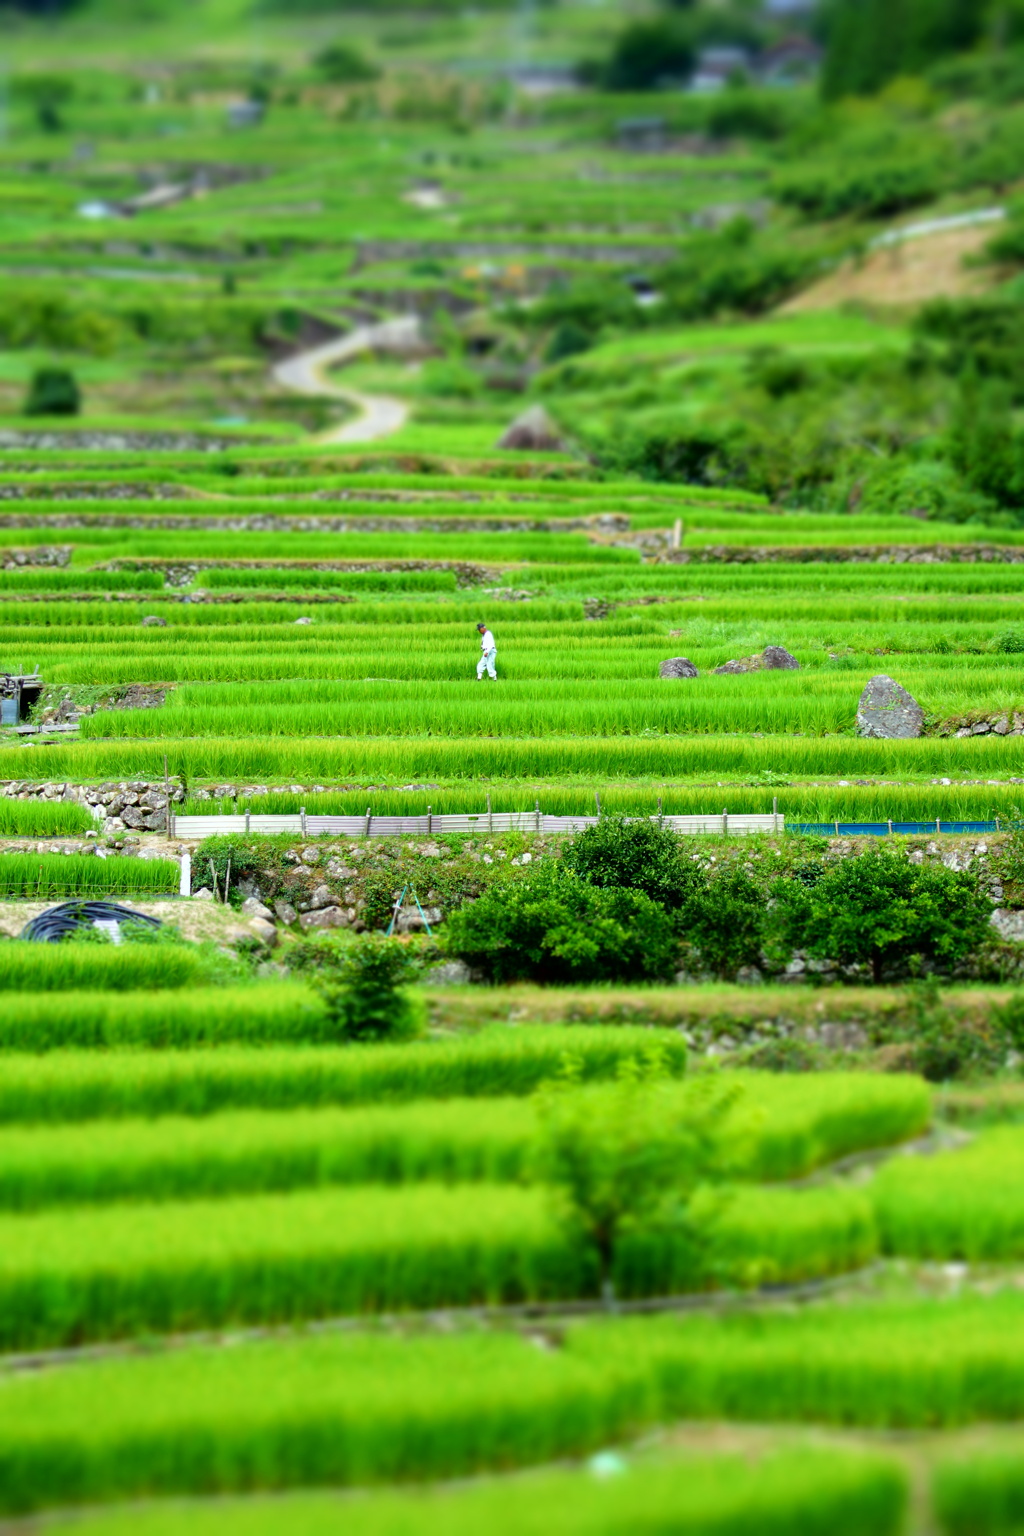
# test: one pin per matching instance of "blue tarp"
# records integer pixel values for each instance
(881, 828)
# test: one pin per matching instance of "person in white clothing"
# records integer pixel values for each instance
(490, 651)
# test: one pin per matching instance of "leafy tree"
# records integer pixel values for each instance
(568, 340)
(638, 855)
(724, 921)
(627, 1157)
(53, 392)
(647, 52)
(556, 928)
(881, 910)
(364, 991)
(869, 42)
(341, 64)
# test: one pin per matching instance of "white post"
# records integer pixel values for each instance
(185, 886)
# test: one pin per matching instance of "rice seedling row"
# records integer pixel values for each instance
(780, 1129)
(113, 1271)
(85, 1084)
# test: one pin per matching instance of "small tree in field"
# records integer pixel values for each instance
(636, 855)
(364, 992)
(881, 910)
(626, 1156)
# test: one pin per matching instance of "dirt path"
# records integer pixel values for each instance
(378, 415)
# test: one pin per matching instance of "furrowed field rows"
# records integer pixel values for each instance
(412, 758)
(245, 544)
(813, 1492)
(778, 1129)
(68, 1085)
(82, 1273)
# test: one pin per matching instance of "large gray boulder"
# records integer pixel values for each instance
(777, 659)
(533, 431)
(677, 666)
(888, 711)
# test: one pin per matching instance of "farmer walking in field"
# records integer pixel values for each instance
(490, 651)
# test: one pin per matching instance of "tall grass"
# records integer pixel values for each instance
(351, 1410)
(781, 1128)
(885, 1365)
(46, 1021)
(44, 580)
(110, 1272)
(72, 967)
(981, 1492)
(27, 875)
(420, 758)
(85, 1085)
(271, 580)
(877, 803)
(805, 1492)
(43, 818)
(967, 1204)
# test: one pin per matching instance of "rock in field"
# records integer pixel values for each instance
(534, 431)
(887, 711)
(677, 666)
(154, 621)
(777, 659)
(253, 908)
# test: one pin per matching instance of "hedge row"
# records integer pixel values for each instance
(87, 1085)
(87, 1273)
(780, 1127)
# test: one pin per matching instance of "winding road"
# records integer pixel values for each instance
(377, 415)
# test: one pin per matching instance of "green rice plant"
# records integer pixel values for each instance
(43, 580)
(964, 1204)
(334, 1409)
(424, 758)
(77, 1084)
(127, 967)
(779, 1128)
(886, 1364)
(981, 1493)
(110, 1272)
(43, 818)
(35, 875)
(793, 1492)
(270, 580)
(273, 1011)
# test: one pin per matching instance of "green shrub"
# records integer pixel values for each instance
(638, 855)
(53, 392)
(343, 65)
(364, 995)
(724, 922)
(1009, 642)
(558, 929)
(647, 52)
(880, 910)
(627, 1158)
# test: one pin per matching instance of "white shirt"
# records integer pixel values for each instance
(487, 641)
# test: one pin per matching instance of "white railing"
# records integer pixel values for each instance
(724, 824)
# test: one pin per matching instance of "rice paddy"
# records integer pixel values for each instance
(257, 1275)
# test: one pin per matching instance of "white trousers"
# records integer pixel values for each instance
(486, 664)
